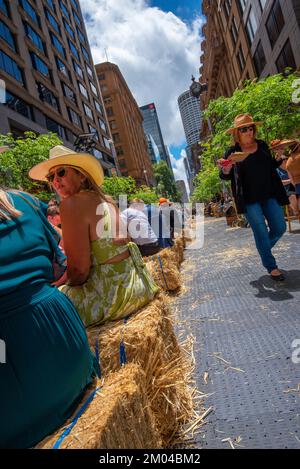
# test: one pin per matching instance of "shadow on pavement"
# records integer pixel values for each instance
(278, 291)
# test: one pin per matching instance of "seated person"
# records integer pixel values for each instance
(139, 228)
(48, 362)
(106, 275)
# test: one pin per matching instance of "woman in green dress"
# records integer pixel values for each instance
(45, 360)
(106, 276)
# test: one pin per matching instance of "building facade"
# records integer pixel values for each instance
(244, 39)
(47, 68)
(190, 112)
(126, 123)
(152, 127)
(181, 187)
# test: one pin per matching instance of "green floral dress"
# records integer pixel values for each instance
(112, 291)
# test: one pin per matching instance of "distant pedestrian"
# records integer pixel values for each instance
(256, 187)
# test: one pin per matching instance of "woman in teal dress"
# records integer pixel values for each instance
(45, 361)
(106, 275)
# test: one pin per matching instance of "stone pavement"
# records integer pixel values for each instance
(244, 324)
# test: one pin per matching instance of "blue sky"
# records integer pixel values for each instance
(186, 10)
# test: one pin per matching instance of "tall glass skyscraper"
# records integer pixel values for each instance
(152, 127)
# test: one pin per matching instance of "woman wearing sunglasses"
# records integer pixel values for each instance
(45, 360)
(106, 276)
(256, 187)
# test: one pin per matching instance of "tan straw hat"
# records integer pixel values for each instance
(63, 156)
(280, 144)
(242, 120)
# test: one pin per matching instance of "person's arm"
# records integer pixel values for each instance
(75, 227)
(226, 172)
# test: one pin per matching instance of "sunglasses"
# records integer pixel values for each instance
(61, 172)
(243, 130)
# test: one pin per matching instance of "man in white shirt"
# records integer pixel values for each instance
(139, 228)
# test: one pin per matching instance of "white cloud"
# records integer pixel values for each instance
(155, 51)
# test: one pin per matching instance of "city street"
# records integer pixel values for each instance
(244, 324)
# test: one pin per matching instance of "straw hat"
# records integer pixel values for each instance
(280, 144)
(242, 120)
(63, 156)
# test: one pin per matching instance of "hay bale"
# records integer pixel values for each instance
(151, 342)
(118, 417)
(168, 276)
(178, 248)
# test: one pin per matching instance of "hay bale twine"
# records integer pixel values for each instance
(164, 271)
(151, 342)
(118, 417)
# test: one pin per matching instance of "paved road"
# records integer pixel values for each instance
(244, 325)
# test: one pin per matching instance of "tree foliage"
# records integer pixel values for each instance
(23, 153)
(268, 100)
(116, 186)
(166, 186)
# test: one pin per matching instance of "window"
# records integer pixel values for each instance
(241, 58)
(74, 117)
(107, 100)
(234, 30)
(88, 111)
(18, 105)
(6, 35)
(102, 125)
(69, 93)
(93, 88)
(262, 4)
(99, 107)
(101, 76)
(64, 10)
(35, 38)
(242, 4)
(89, 70)
(83, 90)
(110, 111)
(259, 59)
(104, 88)
(73, 49)
(80, 35)
(30, 11)
(63, 68)
(52, 21)
(119, 151)
(77, 19)
(51, 5)
(275, 23)
(69, 29)
(47, 96)
(251, 25)
(53, 126)
(75, 4)
(286, 58)
(77, 69)
(227, 6)
(58, 45)
(106, 143)
(85, 53)
(92, 130)
(11, 67)
(113, 125)
(3, 7)
(122, 163)
(116, 138)
(39, 65)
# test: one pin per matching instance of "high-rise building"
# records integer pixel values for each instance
(152, 149)
(152, 127)
(181, 187)
(190, 112)
(126, 123)
(50, 80)
(244, 39)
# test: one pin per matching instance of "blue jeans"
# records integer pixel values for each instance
(266, 237)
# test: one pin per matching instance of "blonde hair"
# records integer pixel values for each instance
(7, 210)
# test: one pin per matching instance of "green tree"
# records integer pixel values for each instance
(166, 186)
(147, 194)
(23, 153)
(116, 186)
(268, 100)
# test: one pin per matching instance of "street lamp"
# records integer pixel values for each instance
(197, 88)
(146, 177)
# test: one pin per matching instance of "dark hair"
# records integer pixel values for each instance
(53, 210)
